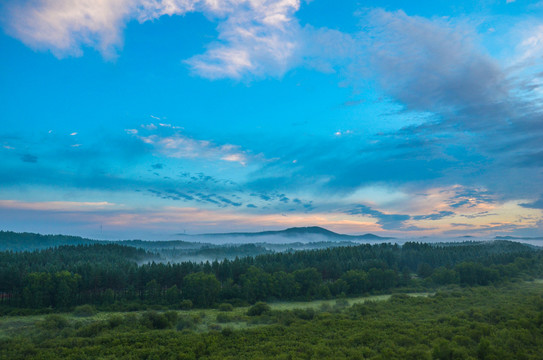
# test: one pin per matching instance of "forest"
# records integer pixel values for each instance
(119, 277)
(365, 301)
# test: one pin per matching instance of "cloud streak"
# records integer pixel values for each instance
(171, 142)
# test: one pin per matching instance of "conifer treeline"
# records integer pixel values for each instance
(104, 274)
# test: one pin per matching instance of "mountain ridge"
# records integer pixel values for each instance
(295, 232)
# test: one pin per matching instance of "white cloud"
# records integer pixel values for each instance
(235, 157)
(530, 48)
(64, 26)
(176, 145)
(149, 126)
(256, 37)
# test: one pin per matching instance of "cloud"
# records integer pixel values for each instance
(470, 197)
(537, 204)
(255, 37)
(64, 26)
(172, 143)
(431, 64)
(55, 205)
(387, 221)
(436, 216)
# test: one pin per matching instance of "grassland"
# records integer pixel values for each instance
(205, 319)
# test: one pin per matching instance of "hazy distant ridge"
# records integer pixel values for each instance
(14, 241)
(297, 232)
(513, 238)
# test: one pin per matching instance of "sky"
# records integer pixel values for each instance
(150, 118)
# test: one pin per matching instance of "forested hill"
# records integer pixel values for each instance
(14, 241)
(114, 274)
(174, 250)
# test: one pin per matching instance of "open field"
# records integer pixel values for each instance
(207, 318)
(485, 322)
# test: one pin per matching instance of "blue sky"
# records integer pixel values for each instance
(147, 118)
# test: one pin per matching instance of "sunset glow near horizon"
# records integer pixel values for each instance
(144, 119)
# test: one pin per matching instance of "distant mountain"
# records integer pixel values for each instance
(296, 232)
(513, 238)
(14, 241)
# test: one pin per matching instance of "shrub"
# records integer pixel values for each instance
(227, 331)
(304, 314)
(223, 318)
(185, 322)
(258, 309)
(172, 317)
(92, 329)
(53, 322)
(226, 307)
(154, 320)
(115, 320)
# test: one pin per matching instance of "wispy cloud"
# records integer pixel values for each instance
(432, 64)
(55, 205)
(387, 221)
(171, 142)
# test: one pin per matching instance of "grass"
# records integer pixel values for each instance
(318, 304)
(207, 318)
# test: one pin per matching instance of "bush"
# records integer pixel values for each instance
(84, 311)
(115, 320)
(284, 317)
(53, 322)
(172, 317)
(92, 329)
(223, 318)
(226, 307)
(185, 322)
(154, 320)
(258, 309)
(227, 331)
(304, 314)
